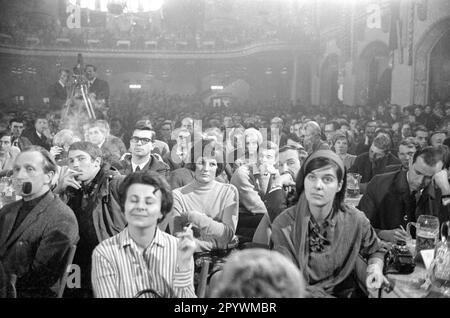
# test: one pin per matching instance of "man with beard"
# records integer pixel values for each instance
(375, 160)
(91, 190)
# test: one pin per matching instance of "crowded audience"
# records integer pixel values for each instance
(141, 194)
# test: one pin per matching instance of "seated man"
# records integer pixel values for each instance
(435, 198)
(91, 191)
(406, 150)
(141, 158)
(374, 161)
(8, 153)
(390, 200)
(254, 181)
(283, 194)
(163, 262)
(36, 232)
(112, 147)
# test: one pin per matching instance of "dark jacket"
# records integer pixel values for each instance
(36, 250)
(387, 202)
(57, 95)
(21, 142)
(33, 137)
(101, 90)
(363, 166)
(430, 203)
(154, 164)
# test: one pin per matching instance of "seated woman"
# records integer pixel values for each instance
(340, 146)
(323, 236)
(141, 256)
(210, 206)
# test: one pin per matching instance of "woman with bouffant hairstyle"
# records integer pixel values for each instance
(258, 273)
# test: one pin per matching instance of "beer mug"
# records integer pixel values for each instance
(427, 232)
(440, 268)
(353, 180)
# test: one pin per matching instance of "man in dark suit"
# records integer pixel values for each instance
(95, 85)
(36, 232)
(141, 146)
(37, 134)
(57, 92)
(16, 125)
(390, 201)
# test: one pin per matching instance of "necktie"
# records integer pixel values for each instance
(137, 169)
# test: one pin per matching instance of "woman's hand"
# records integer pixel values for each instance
(375, 277)
(186, 249)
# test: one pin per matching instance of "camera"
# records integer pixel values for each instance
(399, 259)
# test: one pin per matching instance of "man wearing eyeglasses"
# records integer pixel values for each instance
(141, 158)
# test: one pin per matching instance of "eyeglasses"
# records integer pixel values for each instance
(144, 141)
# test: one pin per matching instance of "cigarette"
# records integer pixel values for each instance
(401, 226)
(188, 227)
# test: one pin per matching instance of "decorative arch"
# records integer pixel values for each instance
(424, 47)
(371, 68)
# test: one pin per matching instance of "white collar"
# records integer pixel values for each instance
(61, 83)
(141, 166)
(39, 135)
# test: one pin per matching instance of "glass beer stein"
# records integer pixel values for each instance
(440, 268)
(353, 180)
(427, 232)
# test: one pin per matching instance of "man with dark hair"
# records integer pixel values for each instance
(330, 130)
(91, 190)
(16, 125)
(95, 85)
(375, 160)
(8, 152)
(367, 138)
(391, 199)
(36, 232)
(406, 150)
(38, 134)
(141, 158)
(421, 134)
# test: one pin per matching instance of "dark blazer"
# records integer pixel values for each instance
(386, 202)
(101, 89)
(363, 166)
(36, 250)
(153, 165)
(35, 140)
(57, 95)
(430, 203)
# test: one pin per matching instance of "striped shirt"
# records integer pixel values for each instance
(120, 269)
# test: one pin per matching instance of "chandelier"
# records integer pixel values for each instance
(119, 6)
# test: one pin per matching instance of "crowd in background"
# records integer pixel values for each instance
(246, 185)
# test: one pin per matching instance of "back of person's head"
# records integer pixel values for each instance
(87, 147)
(314, 127)
(64, 137)
(259, 273)
(431, 155)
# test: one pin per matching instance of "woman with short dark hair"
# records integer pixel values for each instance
(322, 235)
(142, 257)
